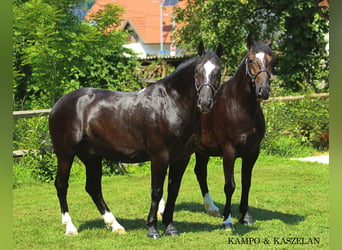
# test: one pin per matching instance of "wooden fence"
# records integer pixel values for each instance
(32, 113)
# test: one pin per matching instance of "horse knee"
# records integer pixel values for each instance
(61, 186)
(229, 188)
(156, 194)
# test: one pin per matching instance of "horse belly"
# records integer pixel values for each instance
(118, 142)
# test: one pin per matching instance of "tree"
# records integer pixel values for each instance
(297, 29)
(304, 59)
(55, 52)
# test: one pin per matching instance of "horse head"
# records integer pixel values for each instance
(207, 77)
(258, 66)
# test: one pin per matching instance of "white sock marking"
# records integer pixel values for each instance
(70, 229)
(112, 223)
(161, 207)
(228, 220)
(210, 206)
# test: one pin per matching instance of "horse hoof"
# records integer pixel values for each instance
(247, 220)
(170, 230)
(71, 233)
(119, 231)
(228, 226)
(153, 233)
(214, 213)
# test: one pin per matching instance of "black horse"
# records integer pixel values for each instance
(160, 123)
(235, 127)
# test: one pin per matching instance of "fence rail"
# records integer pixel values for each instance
(31, 113)
(295, 98)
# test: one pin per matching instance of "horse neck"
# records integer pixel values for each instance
(183, 82)
(240, 87)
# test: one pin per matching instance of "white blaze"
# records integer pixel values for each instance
(261, 56)
(208, 68)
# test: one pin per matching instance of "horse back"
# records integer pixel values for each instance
(122, 126)
(90, 116)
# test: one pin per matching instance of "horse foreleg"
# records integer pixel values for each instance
(246, 176)
(61, 184)
(201, 174)
(176, 172)
(229, 187)
(94, 189)
(159, 166)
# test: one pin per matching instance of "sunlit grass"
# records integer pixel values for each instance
(288, 199)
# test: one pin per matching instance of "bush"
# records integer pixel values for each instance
(296, 128)
(32, 134)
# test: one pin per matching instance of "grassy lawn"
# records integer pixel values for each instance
(288, 199)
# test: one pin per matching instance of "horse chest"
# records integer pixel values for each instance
(244, 137)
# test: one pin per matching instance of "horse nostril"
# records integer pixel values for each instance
(210, 103)
(260, 91)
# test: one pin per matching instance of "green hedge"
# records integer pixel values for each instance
(297, 127)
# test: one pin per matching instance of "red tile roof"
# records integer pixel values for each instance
(144, 16)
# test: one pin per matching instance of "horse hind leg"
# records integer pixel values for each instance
(159, 164)
(94, 189)
(61, 184)
(201, 174)
(176, 172)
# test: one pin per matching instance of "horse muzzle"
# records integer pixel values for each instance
(262, 92)
(205, 105)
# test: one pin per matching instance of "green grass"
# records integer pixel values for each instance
(287, 199)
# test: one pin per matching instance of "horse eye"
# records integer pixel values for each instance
(250, 60)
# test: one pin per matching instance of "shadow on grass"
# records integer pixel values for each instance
(140, 224)
(258, 214)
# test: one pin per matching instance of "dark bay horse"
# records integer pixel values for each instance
(160, 123)
(235, 127)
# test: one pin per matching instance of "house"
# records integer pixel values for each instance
(143, 20)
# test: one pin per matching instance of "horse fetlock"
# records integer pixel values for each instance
(70, 228)
(211, 208)
(112, 224)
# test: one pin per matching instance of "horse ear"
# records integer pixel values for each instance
(219, 50)
(270, 41)
(249, 41)
(200, 48)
